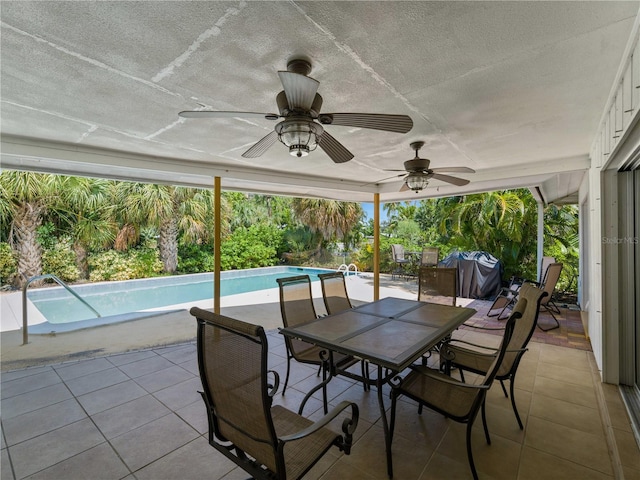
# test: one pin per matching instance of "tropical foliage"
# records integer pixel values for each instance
(96, 229)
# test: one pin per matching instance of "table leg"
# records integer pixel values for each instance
(385, 423)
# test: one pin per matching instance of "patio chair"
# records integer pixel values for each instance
(508, 295)
(549, 286)
(437, 285)
(478, 358)
(334, 292)
(430, 257)
(268, 441)
(452, 398)
(336, 299)
(397, 252)
(296, 306)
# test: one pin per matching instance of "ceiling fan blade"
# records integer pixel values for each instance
(454, 170)
(336, 151)
(299, 89)
(454, 180)
(261, 145)
(404, 187)
(393, 170)
(221, 114)
(376, 121)
(383, 180)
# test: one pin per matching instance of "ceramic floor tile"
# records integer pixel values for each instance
(6, 472)
(180, 395)
(145, 366)
(536, 465)
(82, 368)
(566, 391)
(25, 372)
(570, 444)
(565, 374)
(28, 384)
(125, 358)
(568, 414)
(28, 402)
(627, 449)
(46, 450)
(181, 354)
(109, 397)
(152, 441)
(98, 463)
(498, 460)
(92, 382)
(195, 415)
(565, 357)
(442, 467)
(43, 420)
(128, 416)
(167, 377)
(195, 460)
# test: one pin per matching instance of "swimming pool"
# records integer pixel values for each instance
(120, 299)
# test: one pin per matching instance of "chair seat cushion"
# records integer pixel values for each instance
(452, 400)
(300, 454)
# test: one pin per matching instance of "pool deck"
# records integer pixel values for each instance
(163, 329)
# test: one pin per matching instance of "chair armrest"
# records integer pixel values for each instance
(446, 344)
(276, 383)
(448, 380)
(482, 328)
(348, 425)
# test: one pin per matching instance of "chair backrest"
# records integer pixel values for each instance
(430, 257)
(528, 305)
(544, 264)
(550, 279)
(232, 359)
(296, 306)
(334, 292)
(437, 285)
(492, 371)
(296, 300)
(397, 251)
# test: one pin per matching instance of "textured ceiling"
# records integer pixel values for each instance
(514, 90)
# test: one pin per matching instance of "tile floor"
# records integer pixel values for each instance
(138, 416)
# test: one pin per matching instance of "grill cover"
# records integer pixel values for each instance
(479, 273)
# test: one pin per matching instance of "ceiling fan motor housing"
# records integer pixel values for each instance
(417, 165)
(283, 105)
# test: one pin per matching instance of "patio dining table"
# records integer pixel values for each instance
(391, 333)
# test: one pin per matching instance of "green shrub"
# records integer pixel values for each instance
(195, 258)
(8, 264)
(256, 246)
(59, 260)
(364, 257)
(134, 263)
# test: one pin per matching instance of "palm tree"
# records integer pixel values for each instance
(172, 210)
(89, 211)
(330, 218)
(25, 198)
(502, 223)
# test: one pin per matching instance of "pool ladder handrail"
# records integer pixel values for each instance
(25, 322)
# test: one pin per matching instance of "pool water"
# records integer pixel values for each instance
(115, 298)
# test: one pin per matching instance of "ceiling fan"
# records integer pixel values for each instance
(302, 129)
(418, 172)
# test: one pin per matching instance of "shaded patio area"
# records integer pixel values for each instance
(138, 415)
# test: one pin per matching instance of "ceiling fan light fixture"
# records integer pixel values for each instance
(417, 181)
(300, 135)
